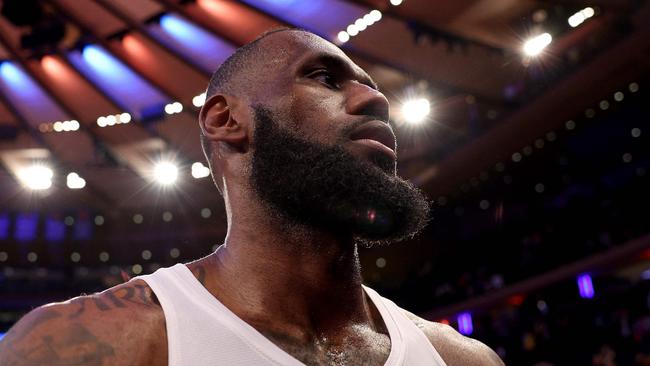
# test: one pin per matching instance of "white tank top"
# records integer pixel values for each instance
(201, 331)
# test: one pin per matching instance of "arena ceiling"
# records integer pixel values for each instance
(110, 72)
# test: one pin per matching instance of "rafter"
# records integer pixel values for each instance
(113, 9)
(60, 103)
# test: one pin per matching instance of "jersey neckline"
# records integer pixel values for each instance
(273, 352)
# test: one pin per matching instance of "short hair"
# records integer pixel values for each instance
(228, 76)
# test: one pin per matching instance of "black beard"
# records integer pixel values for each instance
(328, 188)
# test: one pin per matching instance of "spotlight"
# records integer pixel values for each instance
(57, 126)
(111, 120)
(416, 110)
(369, 19)
(125, 118)
(352, 30)
(36, 177)
(173, 108)
(361, 24)
(199, 170)
(376, 15)
(101, 121)
(536, 45)
(579, 17)
(343, 36)
(165, 173)
(395, 2)
(74, 181)
(199, 100)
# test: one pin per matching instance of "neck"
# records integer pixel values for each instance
(275, 272)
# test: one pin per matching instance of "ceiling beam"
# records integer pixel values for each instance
(127, 62)
(104, 199)
(105, 44)
(136, 26)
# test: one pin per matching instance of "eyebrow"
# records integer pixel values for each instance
(336, 62)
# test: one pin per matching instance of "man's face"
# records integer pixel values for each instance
(323, 153)
(321, 95)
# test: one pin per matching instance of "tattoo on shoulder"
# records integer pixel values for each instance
(76, 346)
(115, 299)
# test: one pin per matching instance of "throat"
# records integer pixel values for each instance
(354, 345)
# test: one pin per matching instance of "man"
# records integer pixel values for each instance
(299, 145)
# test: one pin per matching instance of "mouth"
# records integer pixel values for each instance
(376, 135)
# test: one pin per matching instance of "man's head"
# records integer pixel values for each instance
(292, 119)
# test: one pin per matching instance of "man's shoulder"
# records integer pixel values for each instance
(120, 325)
(453, 347)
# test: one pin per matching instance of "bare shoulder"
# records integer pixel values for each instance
(455, 348)
(122, 325)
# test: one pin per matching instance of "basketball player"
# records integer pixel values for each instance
(299, 145)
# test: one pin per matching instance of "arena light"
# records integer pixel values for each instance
(165, 172)
(199, 170)
(358, 26)
(580, 16)
(173, 108)
(535, 45)
(124, 118)
(36, 177)
(416, 110)
(343, 36)
(585, 286)
(114, 119)
(465, 325)
(352, 30)
(198, 100)
(74, 181)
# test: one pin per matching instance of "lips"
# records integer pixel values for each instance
(375, 134)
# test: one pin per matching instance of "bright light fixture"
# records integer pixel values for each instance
(74, 181)
(361, 24)
(343, 36)
(416, 110)
(369, 19)
(36, 177)
(376, 15)
(172, 108)
(395, 2)
(199, 100)
(199, 170)
(352, 30)
(165, 173)
(125, 118)
(57, 126)
(582, 15)
(534, 46)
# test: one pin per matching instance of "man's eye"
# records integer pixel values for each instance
(325, 77)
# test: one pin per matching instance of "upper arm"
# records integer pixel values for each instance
(455, 348)
(113, 327)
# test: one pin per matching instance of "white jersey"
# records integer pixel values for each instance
(201, 331)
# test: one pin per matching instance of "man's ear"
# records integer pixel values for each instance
(218, 123)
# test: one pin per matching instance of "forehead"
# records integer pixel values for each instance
(294, 47)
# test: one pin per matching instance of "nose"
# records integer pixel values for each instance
(366, 101)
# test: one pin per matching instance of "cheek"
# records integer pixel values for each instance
(317, 117)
